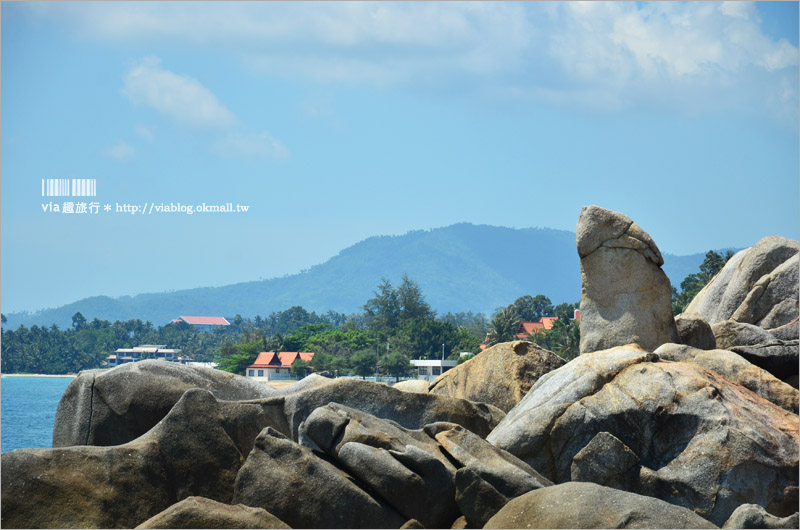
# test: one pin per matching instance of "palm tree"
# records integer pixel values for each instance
(504, 326)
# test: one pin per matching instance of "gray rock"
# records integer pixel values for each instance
(737, 369)
(112, 407)
(788, 331)
(625, 296)
(777, 357)
(420, 386)
(199, 512)
(306, 491)
(500, 375)
(406, 467)
(772, 301)
(723, 295)
(410, 410)
(730, 333)
(489, 478)
(187, 453)
(754, 516)
(605, 461)
(702, 441)
(586, 505)
(694, 331)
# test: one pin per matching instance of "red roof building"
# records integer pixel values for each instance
(270, 365)
(529, 328)
(203, 321)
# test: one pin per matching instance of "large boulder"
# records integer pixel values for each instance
(754, 516)
(112, 407)
(776, 354)
(625, 296)
(408, 409)
(727, 292)
(694, 331)
(420, 386)
(587, 505)
(199, 512)
(306, 491)
(500, 375)
(187, 453)
(406, 467)
(730, 333)
(737, 369)
(700, 440)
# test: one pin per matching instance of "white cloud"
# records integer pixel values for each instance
(260, 145)
(121, 151)
(144, 132)
(178, 96)
(619, 54)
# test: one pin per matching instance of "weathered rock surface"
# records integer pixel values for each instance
(702, 442)
(406, 467)
(187, 453)
(586, 505)
(625, 296)
(419, 386)
(754, 516)
(489, 478)
(306, 491)
(500, 375)
(730, 333)
(605, 460)
(694, 331)
(112, 407)
(199, 512)
(772, 302)
(738, 370)
(790, 331)
(729, 289)
(410, 410)
(778, 357)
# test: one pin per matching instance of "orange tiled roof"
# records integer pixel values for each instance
(284, 359)
(528, 328)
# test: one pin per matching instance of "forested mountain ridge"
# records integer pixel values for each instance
(461, 267)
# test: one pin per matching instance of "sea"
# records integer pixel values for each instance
(28, 410)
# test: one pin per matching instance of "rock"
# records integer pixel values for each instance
(412, 523)
(702, 441)
(778, 357)
(489, 478)
(306, 491)
(500, 375)
(738, 370)
(694, 331)
(410, 410)
(199, 512)
(459, 524)
(726, 292)
(112, 407)
(406, 467)
(605, 461)
(419, 386)
(729, 333)
(625, 296)
(787, 331)
(586, 505)
(754, 516)
(772, 302)
(187, 453)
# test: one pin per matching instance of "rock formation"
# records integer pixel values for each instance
(625, 296)
(500, 375)
(699, 440)
(694, 331)
(199, 512)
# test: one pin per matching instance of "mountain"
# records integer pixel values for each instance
(459, 268)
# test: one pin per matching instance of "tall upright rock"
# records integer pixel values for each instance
(625, 296)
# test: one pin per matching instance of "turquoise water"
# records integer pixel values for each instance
(28, 410)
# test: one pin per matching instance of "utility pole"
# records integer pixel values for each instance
(443, 351)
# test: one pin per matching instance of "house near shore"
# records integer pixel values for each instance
(203, 323)
(271, 366)
(526, 329)
(140, 353)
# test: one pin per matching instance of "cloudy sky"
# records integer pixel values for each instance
(337, 121)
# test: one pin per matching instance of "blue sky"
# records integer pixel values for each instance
(336, 121)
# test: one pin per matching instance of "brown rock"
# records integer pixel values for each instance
(500, 375)
(199, 512)
(695, 332)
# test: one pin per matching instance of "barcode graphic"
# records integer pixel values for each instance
(69, 187)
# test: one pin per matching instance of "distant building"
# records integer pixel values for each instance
(145, 351)
(270, 366)
(203, 323)
(529, 328)
(428, 369)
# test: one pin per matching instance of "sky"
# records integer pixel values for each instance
(333, 122)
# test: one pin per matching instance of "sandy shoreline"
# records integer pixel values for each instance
(38, 375)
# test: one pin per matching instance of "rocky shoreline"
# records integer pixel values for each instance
(661, 422)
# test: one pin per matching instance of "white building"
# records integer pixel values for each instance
(145, 351)
(429, 370)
